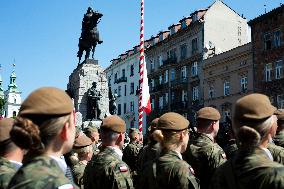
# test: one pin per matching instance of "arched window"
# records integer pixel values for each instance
(14, 113)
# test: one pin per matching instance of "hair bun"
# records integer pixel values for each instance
(26, 134)
(248, 137)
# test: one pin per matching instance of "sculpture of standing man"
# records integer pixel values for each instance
(94, 97)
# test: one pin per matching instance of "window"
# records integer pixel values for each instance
(195, 93)
(183, 72)
(239, 30)
(152, 84)
(161, 37)
(184, 95)
(194, 69)
(280, 101)
(132, 88)
(211, 91)
(15, 101)
(244, 84)
(183, 24)
(183, 51)
(132, 106)
(267, 41)
(166, 98)
(173, 96)
(153, 103)
(161, 79)
(124, 108)
(160, 59)
(268, 69)
(277, 39)
(161, 104)
(125, 90)
(152, 65)
(119, 91)
(115, 91)
(194, 45)
(166, 76)
(14, 113)
(194, 17)
(123, 72)
(115, 77)
(119, 109)
(173, 73)
(226, 88)
(132, 123)
(279, 69)
(132, 70)
(109, 79)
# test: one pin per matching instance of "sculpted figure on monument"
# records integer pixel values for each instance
(94, 97)
(112, 104)
(90, 34)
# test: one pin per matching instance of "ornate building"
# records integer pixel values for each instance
(268, 54)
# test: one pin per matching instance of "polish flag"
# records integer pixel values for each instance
(146, 101)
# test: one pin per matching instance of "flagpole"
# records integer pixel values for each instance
(141, 66)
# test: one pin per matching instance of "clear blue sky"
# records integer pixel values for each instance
(42, 35)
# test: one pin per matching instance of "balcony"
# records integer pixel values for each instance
(171, 60)
(120, 80)
(179, 81)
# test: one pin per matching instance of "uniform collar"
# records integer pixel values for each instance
(61, 162)
(268, 153)
(16, 164)
(117, 151)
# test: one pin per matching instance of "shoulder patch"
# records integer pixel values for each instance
(191, 170)
(224, 155)
(66, 186)
(123, 168)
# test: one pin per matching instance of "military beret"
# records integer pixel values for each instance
(133, 130)
(153, 124)
(82, 141)
(91, 129)
(172, 121)
(253, 107)
(280, 114)
(208, 113)
(47, 101)
(6, 125)
(114, 123)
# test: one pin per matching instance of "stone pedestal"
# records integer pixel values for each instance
(80, 81)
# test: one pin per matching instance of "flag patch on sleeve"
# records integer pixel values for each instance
(123, 168)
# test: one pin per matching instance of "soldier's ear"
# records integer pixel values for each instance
(64, 131)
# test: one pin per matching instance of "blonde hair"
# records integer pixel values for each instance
(167, 138)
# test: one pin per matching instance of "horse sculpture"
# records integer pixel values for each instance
(90, 35)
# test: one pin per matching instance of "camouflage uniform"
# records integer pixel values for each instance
(130, 155)
(168, 172)
(148, 153)
(106, 170)
(204, 156)
(253, 170)
(96, 150)
(40, 172)
(231, 148)
(279, 139)
(78, 171)
(7, 171)
(277, 153)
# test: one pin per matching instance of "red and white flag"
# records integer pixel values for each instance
(146, 101)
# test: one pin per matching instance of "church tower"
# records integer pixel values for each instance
(12, 97)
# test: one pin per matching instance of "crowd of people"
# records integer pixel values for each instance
(42, 148)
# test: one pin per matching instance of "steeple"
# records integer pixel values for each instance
(12, 87)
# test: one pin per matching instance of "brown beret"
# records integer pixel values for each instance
(253, 107)
(114, 123)
(6, 125)
(280, 114)
(91, 129)
(208, 113)
(82, 141)
(47, 101)
(172, 121)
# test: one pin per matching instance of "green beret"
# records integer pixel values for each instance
(208, 113)
(253, 107)
(280, 114)
(114, 123)
(6, 125)
(172, 121)
(47, 101)
(82, 141)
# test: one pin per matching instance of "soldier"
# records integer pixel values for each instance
(203, 153)
(169, 170)
(93, 133)
(279, 137)
(277, 153)
(83, 147)
(11, 156)
(152, 150)
(106, 169)
(45, 127)
(254, 125)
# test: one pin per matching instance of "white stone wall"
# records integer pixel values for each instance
(12, 103)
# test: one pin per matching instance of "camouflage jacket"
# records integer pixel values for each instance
(231, 148)
(279, 139)
(130, 156)
(204, 156)
(277, 153)
(107, 171)
(149, 153)
(168, 172)
(40, 172)
(78, 172)
(7, 171)
(253, 170)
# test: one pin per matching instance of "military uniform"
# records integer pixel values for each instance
(130, 155)
(279, 139)
(106, 170)
(40, 172)
(149, 153)
(168, 171)
(253, 170)
(277, 153)
(78, 172)
(7, 171)
(231, 149)
(205, 156)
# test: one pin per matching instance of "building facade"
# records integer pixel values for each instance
(227, 77)
(175, 57)
(268, 54)
(123, 80)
